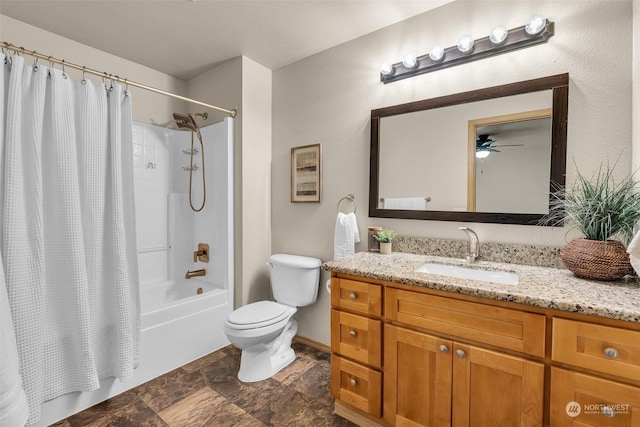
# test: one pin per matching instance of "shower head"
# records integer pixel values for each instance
(186, 121)
(189, 121)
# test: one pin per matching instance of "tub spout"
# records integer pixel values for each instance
(195, 273)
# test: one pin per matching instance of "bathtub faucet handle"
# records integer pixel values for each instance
(202, 254)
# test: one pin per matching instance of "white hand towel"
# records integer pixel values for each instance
(634, 252)
(405, 203)
(346, 235)
(14, 410)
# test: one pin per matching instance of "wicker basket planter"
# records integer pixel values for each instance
(596, 259)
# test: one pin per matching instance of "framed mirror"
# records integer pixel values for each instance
(489, 155)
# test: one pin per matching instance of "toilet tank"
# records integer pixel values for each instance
(294, 279)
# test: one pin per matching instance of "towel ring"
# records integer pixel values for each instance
(350, 198)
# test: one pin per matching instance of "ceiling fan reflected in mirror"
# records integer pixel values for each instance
(484, 146)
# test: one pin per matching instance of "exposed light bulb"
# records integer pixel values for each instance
(436, 54)
(482, 154)
(410, 61)
(386, 69)
(465, 44)
(498, 34)
(536, 24)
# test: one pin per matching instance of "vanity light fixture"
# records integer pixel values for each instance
(535, 25)
(500, 40)
(410, 61)
(436, 54)
(465, 44)
(386, 69)
(498, 35)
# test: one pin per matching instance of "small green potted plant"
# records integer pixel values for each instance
(605, 211)
(385, 237)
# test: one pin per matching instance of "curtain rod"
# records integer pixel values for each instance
(105, 75)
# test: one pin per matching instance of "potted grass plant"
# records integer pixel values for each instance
(605, 211)
(385, 237)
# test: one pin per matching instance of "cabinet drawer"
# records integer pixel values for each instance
(585, 401)
(356, 385)
(510, 329)
(361, 297)
(605, 349)
(356, 337)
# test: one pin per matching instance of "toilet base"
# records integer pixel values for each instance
(263, 361)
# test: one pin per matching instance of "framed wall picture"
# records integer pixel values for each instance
(306, 173)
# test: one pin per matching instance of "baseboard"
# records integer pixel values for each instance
(353, 416)
(312, 343)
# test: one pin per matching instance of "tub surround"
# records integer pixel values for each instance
(544, 287)
(541, 256)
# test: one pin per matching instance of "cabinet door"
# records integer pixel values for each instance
(494, 389)
(417, 378)
(580, 400)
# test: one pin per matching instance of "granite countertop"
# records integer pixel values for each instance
(546, 287)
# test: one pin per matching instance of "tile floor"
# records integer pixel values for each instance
(207, 392)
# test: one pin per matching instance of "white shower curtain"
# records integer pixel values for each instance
(67, 230)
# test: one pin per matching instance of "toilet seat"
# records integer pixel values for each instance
(259, 315)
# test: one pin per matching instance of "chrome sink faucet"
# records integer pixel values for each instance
(474, 245)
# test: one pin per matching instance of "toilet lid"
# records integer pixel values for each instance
(258, 314)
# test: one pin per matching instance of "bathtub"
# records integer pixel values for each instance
(170, 300)
(178, 326)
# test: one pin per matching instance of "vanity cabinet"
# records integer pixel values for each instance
(404, 355)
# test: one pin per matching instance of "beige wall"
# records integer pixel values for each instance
(256, 181)
(148, 107)
(327, 99)
(246, 85)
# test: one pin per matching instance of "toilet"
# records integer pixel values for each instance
(263, 330)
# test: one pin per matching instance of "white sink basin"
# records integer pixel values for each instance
(495, 276)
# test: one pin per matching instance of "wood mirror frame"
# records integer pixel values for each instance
(559, 84)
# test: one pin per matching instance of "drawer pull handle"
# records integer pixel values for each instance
(353, 333)
(352, 296)
(353, 382)
(611, 353)
(444, 348)
(608, 411)
(460, 353)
